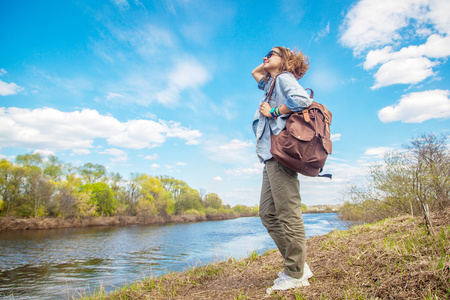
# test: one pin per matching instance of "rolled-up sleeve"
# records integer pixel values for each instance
(262, 84)
(297, 98)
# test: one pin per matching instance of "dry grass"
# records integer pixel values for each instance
(392, 259)
(12, 223)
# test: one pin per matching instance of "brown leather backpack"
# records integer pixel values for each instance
(305, 143)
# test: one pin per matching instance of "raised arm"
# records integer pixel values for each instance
(258, 72)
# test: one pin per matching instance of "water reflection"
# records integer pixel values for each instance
(56, 264)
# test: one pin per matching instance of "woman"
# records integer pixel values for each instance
(280, 204)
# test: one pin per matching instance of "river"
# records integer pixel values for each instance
(67, 263)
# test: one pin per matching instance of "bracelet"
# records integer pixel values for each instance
(277, 111)
(272, 112)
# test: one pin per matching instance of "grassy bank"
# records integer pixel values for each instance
(391, 259)
(9, 223)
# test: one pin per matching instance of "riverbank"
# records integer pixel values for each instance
(10, 223)
(322, 209)
(391, 259)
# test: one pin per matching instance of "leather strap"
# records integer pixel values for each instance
(271, 88)
(306, 117)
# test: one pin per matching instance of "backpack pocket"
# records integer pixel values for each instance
(304, 144)
(298, 138)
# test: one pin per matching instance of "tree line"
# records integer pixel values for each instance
(414, 180)
(36, 186)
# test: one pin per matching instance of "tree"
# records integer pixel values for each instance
(92, 173)
(53, 168)
(152, 190)
(102, 196)
(187, 200)
(30, 160)
(84, 205)
(175, 186)
(130, 194)
(66, 197)
(414, 180)
(213, 200)
(10, 185)
(36, 188)
(304, 207)
(39, 191)
(431, 170)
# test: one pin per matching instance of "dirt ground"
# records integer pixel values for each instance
(393, 259)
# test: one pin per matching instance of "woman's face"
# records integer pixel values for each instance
(272, 61)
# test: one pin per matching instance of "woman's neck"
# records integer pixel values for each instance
(275, 74)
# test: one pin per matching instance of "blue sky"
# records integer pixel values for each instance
(165, 87)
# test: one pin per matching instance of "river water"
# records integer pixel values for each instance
(67, 263)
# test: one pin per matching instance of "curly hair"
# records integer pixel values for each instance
(294, 62)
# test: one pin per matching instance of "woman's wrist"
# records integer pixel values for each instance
(275, 111)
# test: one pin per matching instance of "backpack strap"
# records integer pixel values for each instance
(305, 112)
(311, 93)
(271, 88)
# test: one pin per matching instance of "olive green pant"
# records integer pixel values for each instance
(280, 211)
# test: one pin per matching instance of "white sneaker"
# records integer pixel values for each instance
(287, 283)
(306, 273)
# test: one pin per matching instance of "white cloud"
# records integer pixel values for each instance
(234, 152)
(323, 33)
(181, 164)
(80, 152)
(406, 71)
(9, 88)
(47, 128)
(436, 46)
(217, 178)
(378, 151)
(44, 152)
(2, 72)
(316, 190)
(374, 23)
(335, 137)
(146, 40)
(235, 144)
(140, 134)
(53, 129)
(255, 169)
(118, 155)
(418, 107)
(186, 75)
(174, 129)
(152, 157)
(155, 166)
(403, 24)
(113, 95)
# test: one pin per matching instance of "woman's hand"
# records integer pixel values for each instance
(264, 109)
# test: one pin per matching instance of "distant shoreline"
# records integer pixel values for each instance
(13, 223)
(322, 209)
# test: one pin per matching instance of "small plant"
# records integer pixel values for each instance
(241, 297)
(254, 256)
(299, 297)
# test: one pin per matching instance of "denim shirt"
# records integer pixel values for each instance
(287, 91)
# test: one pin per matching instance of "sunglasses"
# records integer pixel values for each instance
(271, 52)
